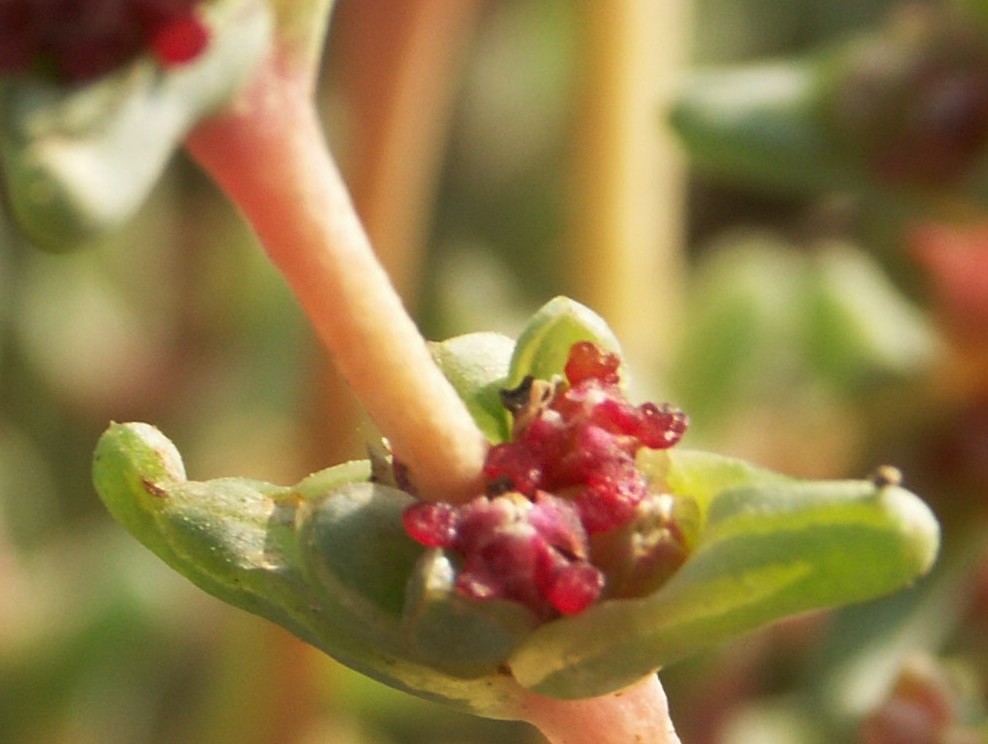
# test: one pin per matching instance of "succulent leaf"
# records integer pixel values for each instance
(477, 366)
(269, 550)
(454, 632)
(544, 344)
(768, 547)
(332, 567)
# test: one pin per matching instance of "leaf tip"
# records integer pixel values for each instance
(917, 524)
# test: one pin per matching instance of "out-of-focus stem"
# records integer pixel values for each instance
(638, 714)
(268, 153)
(397, 65)
(626, 228)
(300, 26)
(397, 59)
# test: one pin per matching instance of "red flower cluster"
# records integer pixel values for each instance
(80, 40)
(568, 473)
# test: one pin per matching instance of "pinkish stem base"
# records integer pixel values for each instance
(638, 714)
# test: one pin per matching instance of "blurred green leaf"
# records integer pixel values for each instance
(740, 333)
(859, 327)
(895, 114)
(761, 124)
(79, 161)
(765, 317)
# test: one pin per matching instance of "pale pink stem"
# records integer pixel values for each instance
(638, 714)
(267, 151)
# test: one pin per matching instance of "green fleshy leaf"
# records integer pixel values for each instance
(768, 548)
(273, 551)
(79, 161)
(454, 632)
(355, 546)
(324, 481)
(330, 561)
(702, 476)
(543, 346)
(477, 366)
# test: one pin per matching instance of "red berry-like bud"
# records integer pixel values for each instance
(77, 41)
(617, 416)
(661, 426)
(511, 467)
(588, 361)
(180, 40)
(575, 587)
(591, 448)
(505, 568)
(545, 437)
(610, 496)
(558, 522)
(434, 524)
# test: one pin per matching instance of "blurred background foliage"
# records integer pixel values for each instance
(820, 331)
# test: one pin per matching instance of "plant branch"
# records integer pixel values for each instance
(638, 714)
(267, 151)
(301, 30)
(626, 227)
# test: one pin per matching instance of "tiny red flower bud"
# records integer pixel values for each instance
(575, 587)
(432, 524)
(568, 473)
(589, 361)
(511, 467)
(180, 40)
(77, 42)
(661, 426)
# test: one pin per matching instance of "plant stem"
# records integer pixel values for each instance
(399, 62)
(267, 151)
(638, 714)
(301, 30)
(624, 246)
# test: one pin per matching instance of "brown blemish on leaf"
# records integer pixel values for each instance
(154, 489)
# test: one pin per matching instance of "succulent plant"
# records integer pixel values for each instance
(566, 606)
